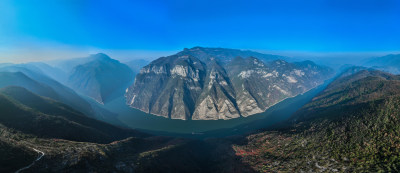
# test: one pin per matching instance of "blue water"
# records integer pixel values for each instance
(136, 119)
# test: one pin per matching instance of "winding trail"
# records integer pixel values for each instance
(41, 154)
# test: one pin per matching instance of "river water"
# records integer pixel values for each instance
(137, 119)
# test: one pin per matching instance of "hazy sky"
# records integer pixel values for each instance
(46, 29)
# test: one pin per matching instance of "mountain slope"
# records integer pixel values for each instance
(72, 142)
(20, 79)
(101, 79)
(32, 114)
(215, 83)
(14, 156)
(389, 63)
(43, 85)
(47, 70)
(352, 126)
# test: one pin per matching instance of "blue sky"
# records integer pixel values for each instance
(45, 29)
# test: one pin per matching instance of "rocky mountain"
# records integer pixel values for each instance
(101, 78)
(215, 83)
(352, 126)
(389, 63)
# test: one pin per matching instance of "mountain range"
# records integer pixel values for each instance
(351, 126)
(210, 84)
(51, 80)
(388, 63)
(48, 125)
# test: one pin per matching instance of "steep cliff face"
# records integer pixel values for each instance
(211, 84)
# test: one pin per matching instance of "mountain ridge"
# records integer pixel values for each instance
(343, 129)
(198, 85)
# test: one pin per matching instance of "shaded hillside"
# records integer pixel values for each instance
(49, 87)
(32, 114)
(13, 155)
(72, 142)
(352, 126)
(20, 79)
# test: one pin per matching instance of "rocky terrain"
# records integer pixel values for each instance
(215, 83)
(352, 126)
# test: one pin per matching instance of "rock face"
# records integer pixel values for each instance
(102, 78)
(210, 84)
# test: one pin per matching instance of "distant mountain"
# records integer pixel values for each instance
(20, 79)
(389, 63)
(52, 72)
(39, 83)
(352, 126)
(102, 78)
(39, 68)
(225, 55)
(67, 65)
(215, 83)
(31, 114)
(136, 65)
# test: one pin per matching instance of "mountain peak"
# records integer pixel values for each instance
(100, 57)
(218, 83)
(97, 78)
